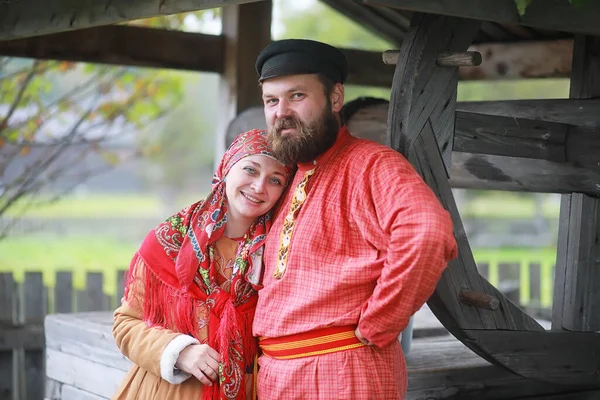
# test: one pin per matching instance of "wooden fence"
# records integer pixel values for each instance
(23, 307)
(22, 310)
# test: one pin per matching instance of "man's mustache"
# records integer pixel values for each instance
(286, 123)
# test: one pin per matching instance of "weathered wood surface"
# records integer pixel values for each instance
(35, 308)
(7, 318)
(25, 18)
(528, 59)
(125, 45)
(577, 112)
(480, 171)
(576, 296)
(247, 30)
(81, 346)
(448, 59)
(560, 357)
(546, 14)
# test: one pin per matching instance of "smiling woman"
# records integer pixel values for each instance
(197, 270)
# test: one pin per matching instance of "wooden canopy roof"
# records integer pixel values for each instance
(536, 44)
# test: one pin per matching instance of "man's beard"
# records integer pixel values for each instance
(307, 142)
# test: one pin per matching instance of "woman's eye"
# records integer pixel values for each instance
(250, 170)
(275, 181)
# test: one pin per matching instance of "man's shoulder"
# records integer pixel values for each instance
(366, 151)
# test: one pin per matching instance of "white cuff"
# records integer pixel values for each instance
(169, 357)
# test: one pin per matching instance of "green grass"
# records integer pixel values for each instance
(80, 255)
(506, 205)
(95, 205)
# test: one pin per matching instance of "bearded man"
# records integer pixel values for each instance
(357, 246)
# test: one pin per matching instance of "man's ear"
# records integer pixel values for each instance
(337, 97)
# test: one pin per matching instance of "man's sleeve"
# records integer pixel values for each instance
(402, 217)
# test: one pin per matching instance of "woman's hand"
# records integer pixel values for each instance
(200, 360)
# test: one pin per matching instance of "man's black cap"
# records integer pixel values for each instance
(300, 56)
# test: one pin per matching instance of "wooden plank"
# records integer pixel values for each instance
(35, 301)
(521, 60)
(25, 18)
(506, 136)
(83, 374)
(7, 318)
(421, 89)
(546, 14)
(93, 297)
(576, 298)
(576, 112)
(29, 337)
(71, 393)
(480, 171)
(63, 292)
(580, 259)
(568, 358)
(247, 30)
(53, 390)
(125, 45)
(85, 333)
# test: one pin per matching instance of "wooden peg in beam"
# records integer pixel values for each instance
(445, 59)
(479, 300)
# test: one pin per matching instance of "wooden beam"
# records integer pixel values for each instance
(556, 15)
(535, 59)
(531, 59)
(480, 171)
(562, 358)
(247, 30)
(29, 337)
(136, 46)
(25, 18)
(581, 113)
(576, 300)
(125, 45)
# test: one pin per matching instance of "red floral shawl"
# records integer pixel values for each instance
(180, 275)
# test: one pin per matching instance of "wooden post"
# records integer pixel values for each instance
(247, 30)
(35, 302)
(7, 318)
(576, 303)
(63, 292)
(93, 297)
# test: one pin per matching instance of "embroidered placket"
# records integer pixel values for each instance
(288, 224)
